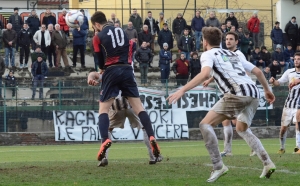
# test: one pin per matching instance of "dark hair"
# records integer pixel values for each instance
(212, 35)
(289, 44)
(276, 23)
(194, 53)
(236, 37)
(223, 24)
(134, 9)
(263, 47)
(297, 54)
(149, 12)
(98, 17)
(257, 48)
(228, 21)
(240, 27)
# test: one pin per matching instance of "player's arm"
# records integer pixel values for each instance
(284, 79)
(207, 82)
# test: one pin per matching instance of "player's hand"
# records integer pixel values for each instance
(272, 80)
(269, 97)
(206, 83)
(174, 97)
(294, 83)
(93, 78)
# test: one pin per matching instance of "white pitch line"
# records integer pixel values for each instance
(121, 148)
(256, 169)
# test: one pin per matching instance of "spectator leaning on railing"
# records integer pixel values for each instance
(39, 71)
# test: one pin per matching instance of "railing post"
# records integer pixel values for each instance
(59, 94)
(4, 108)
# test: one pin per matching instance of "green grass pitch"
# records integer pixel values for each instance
(186, 163)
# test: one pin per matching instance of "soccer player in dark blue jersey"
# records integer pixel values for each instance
(116, 75)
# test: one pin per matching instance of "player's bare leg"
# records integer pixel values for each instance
(103, 127)
(139, 110)
(297, 151)
(211, 143)
(228, 133)
(282, 139)
(255, 144)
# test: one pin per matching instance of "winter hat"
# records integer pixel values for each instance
(161, 13)
(165, 44)
(278, 46)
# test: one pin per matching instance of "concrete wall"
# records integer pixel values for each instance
(47, 138)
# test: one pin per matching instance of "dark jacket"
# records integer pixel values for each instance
(288, 54)
(10, 81)
(9, 35)
(143, 55)
(155, 26)
(178, 25)
(275, 69)
(33, 23)
(49, 19)
(25, 37)
(195, 67)
(1, 25)
(58, 40)
(266, 57)
(165, 36)
(233, 20)
(2, 67)
(255, 56)
(197, 24)
(78, 37)
(165, 57)
(131, 33)
(16, 25)
(214, 22)
(44, 68)
(186, 44)
(245, 46)
(85, 24)
(276, 56)
(277, 36)
(137, 22)
(34, 55)
(291, 29)
(181, 67)
(145, 36)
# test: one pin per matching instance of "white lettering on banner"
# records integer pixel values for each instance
(197, 99)
(82, 126)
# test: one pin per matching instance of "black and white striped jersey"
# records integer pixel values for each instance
(229, 71)
(287, 77)
(120, 103)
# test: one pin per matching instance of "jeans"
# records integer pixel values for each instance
(51, 52)
(255, 39)
(198, 35)
(26, 50)
(286, 66)
(144, 72)
(38, 80)
(256, 63)
(164, 72)
(96, 62)
(291, 63)
(10, 54)
(187, 55)
(75, 51)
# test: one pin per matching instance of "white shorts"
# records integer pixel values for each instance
(288, 116)
(117, 118)
(242, 108)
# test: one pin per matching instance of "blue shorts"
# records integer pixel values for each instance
(116, 78)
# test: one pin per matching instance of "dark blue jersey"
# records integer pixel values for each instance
(114, 46)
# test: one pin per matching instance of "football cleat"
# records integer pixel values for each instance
(252, 153)
(104, 146)
(281, 151)
(298, 151)
(103, 163)
(215, 174)
(268, 171)
(224, 154)
(155, 147)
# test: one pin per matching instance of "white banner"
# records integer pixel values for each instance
(82, 126)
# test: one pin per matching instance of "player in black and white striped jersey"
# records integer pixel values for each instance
(240, 99)
(290, 107)
(118, 112)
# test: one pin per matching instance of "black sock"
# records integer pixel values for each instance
(145, 120)
(299, 126)
(103, 124)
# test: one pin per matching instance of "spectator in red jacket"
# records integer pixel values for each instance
(181, 69)
(62, 22)
(253, 27)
